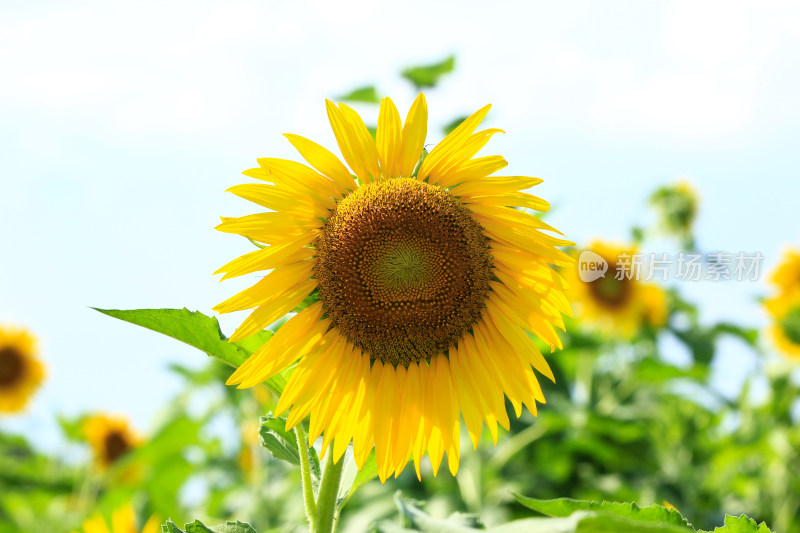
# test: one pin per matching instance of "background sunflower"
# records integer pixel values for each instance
(110, 438)
(123, 520)
(619, 302)
(21, 372)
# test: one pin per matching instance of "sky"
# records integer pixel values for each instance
(122, 124)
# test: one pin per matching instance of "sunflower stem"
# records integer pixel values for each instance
(328, 498)
(312, 512)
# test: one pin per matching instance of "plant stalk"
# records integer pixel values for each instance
(327, 500)
(312, 513)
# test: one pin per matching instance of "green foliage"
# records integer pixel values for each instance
(367, 473)
(677, 207)
(414, 518)
(453, 124)
(561, 507)
(567, 516)
(283, 444)
(367, 94)
(741, 524)
(200, 331)
(199, 527)
(425, 76)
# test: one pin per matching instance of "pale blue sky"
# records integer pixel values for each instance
(122, 124)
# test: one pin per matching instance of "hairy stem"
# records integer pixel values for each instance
(329, 495)
(305, 470)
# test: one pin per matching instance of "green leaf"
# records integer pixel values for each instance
(450, 126)
(741, 524)
(627, 512)
(170, 527)
(73, 427)
(655, 371)
(367, 473)
(198, 527)
(428, 75)
(200, 331)
(281, 443)
(414, 518)
(367, 94)
(748, 335)
(422, 157)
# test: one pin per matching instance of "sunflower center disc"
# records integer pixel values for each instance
(116, 445)
(403, 269)
(11, 366)
(791, 325)
(611, 292)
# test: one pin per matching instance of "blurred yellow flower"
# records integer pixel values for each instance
(786, 276)
(110, 438)
(654, 305)
(784, 310)
(617, 303)
(248, 456)
(123, 520)
(21, 372)
(428, 287)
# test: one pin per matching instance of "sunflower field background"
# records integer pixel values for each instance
(660, 129)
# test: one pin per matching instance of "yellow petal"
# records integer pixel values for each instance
(389, 139)
(451, 143)
(280, 199)
(267, 227)
(323, 160)
(292, 250)
(271, 287)
(518, 199)
(384, 397)
(292, 341)
(454, 161)
(494, 185)
(271, 311)
(414, 131)
(473, 170)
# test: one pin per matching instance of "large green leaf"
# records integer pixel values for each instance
(741, 524)
(573, 517)
(611, 512)
(428, 75)
(201, 331)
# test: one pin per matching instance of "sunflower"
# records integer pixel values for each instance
(784, 309)
(617, 304)
(123, 520)
(21, 372)
(429, 285)
(786, 276)
(110, 438)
